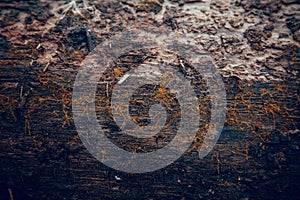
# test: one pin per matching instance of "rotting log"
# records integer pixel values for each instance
(256, 50)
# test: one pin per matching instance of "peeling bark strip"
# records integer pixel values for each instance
(254, 44)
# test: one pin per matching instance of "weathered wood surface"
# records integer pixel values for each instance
(257, 156)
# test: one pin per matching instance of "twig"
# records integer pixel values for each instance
(45, 69)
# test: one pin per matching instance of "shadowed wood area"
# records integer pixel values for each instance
(254, 45)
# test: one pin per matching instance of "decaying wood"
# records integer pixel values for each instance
(254, 44)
